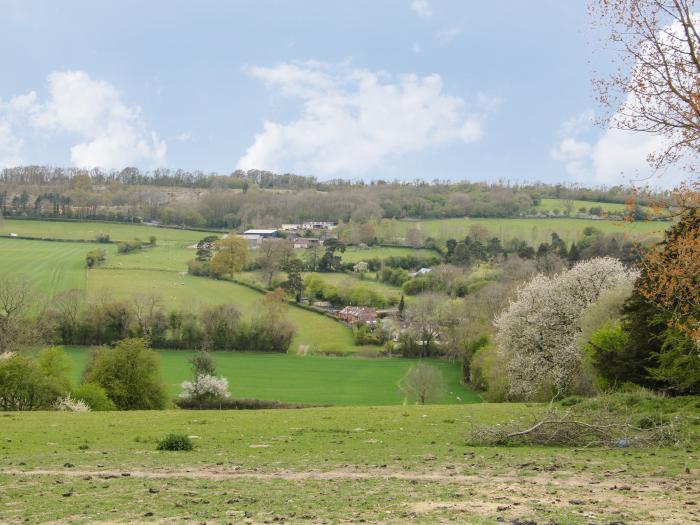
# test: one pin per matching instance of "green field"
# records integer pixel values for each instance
(79, 230)
(533, 231)
(309, 379)
(356, 254)
(50, 267)
(379, 465)
(560, 204)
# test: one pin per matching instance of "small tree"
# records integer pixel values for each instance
(231, 257)
(202, 363)
(424, 384)
(130, 374)
(294, 285)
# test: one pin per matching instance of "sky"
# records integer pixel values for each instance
(372, 89)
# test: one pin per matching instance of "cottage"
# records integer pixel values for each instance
(358, 314)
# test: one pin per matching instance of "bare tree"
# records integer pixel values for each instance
(424, 384)
(656, 86)
(14, 303)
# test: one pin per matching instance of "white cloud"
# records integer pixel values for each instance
(448, 35)
(614, 157)
(353, 120)
(422, 8)
(10, 146)
(113, 134)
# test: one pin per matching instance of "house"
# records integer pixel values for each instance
(422, 271)
(358, 314)
(262, 233)
(307, 242)
(290, 227)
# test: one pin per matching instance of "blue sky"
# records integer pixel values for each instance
(375, 89)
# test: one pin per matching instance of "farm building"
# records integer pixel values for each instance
(307, 242)
(254, 240)
(358, 314)
(309, 225)
(262, 233)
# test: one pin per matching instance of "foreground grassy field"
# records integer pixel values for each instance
(384, 465)
(533, 231)
(309, 379)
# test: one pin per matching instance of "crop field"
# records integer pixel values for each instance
(534, 231)
(79, 230)
(308, 379)
(50, 267)
(388, 465)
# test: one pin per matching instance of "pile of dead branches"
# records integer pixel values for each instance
(585, 427)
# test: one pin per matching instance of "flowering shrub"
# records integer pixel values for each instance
(205, 387)
(537, 332)
(68, 404)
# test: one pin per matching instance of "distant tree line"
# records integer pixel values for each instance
(196, 199)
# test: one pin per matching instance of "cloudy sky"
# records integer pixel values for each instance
(405, 89)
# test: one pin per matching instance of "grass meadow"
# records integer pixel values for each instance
(309, 379)
(533, 231)
(389, 465)
(560, 204)
(79, 230)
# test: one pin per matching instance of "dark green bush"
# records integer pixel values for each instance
(175, 442)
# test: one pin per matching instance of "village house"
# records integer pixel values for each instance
(358, 314)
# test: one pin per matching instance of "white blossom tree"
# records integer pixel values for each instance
(537, 332)
(205, 388)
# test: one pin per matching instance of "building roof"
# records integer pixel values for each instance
(259, 232)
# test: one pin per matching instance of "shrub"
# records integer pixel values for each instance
(102, 237)
(70, 404)
(129, 246)
(238, 404)
(94, 396)
(95, 257)
(175, 442)
(130, 374)
(24, 386)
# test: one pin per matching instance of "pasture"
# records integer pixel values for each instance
(79, 230)
(309, 379)
(560, 204)
(533, 231)
(389, 465)
(356, 254)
